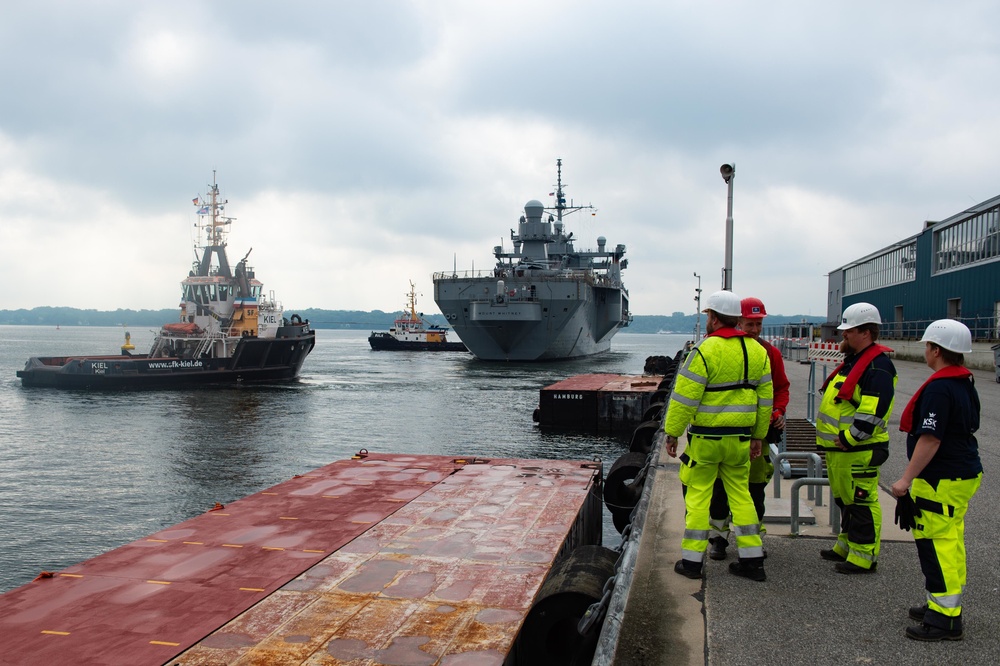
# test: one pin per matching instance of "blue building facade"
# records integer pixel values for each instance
(951, 269)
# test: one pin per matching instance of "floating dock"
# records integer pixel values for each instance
(599, 403)
(380, 559)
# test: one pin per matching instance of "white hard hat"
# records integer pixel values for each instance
(950, 334)
(724, 303)
(858, 314)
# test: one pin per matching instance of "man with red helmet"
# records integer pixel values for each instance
(751, 322)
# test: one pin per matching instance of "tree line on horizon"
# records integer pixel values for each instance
(375, 320)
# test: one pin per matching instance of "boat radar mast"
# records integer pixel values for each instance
(215, 224)
(561, 197)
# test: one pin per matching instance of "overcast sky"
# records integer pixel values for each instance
(362, 145)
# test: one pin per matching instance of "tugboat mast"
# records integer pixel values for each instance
(216, 232)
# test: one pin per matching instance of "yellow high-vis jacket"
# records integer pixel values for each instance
(723, 388)
(861, 421)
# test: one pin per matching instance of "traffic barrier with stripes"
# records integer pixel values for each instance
(825, 351)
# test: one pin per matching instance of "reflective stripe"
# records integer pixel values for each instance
(688, 402)
(946, 600)
(695, 556)
(766, 402)
(829, 420)
(859, 435)
(693, 376)
(828, 436)
(696, 535)
(727, 409)
(870, 418)
(746, 530)
(765, 378)
(751, 551)
(863, 556)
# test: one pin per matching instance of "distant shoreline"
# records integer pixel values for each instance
(375, 320)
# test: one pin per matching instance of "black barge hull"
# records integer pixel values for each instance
(255, 360)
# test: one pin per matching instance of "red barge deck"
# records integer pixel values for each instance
(378, 559)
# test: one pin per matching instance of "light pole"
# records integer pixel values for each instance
(697, 300)
(728, 172)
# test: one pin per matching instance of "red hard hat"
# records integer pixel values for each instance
(752, 308)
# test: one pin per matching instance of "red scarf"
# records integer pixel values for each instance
(726, 333)
(947, 372)
(868, 355)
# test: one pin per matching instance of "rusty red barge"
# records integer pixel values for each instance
(376, 559)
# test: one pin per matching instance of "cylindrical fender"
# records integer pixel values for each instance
(549, 634)
(642, 437)
(621, 491)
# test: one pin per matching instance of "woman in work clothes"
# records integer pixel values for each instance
(943, 474)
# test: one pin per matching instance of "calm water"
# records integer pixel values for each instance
(81, 473)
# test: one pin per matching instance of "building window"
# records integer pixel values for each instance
(895, 266)
(970, 241)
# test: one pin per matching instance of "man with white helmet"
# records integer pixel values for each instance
(751, 322)
(943, 474)
(852, 430)
(723, 391)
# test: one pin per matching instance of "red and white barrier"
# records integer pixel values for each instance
(828, 352)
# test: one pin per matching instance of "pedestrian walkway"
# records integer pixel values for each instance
(805, 613)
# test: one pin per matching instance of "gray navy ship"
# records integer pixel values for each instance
(544, 301)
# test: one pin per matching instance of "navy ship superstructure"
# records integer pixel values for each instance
(543, 301)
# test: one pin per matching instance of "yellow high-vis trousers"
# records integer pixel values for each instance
(940, 539)
(728, 458)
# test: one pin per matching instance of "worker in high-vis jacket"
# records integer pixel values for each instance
(943, 474)
(852, 432)
(751, 322)
(723, 396)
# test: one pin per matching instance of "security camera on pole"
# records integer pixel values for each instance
(728, 172)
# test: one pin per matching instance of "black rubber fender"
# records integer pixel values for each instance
(620, 489)
(621, 518)
(549, 634)
(642, 436)
(654, 411)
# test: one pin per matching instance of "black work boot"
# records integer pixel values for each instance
(688, 569)
(717, 548)
(851, 568)
(832, 555)
(917, 612)
(926, 632)
(752, 569)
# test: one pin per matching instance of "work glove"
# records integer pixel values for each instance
(906, 512)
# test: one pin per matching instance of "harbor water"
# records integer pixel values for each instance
(84, 472)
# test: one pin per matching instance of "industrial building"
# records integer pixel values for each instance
(951, 269)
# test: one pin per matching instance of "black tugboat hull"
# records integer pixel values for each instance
(255, 360)
(385, 342)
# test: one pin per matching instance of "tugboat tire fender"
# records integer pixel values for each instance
(296, 319)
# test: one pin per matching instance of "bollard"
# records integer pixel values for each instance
(814, 465)
(834, 524)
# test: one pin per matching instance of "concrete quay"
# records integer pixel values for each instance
(805, 613)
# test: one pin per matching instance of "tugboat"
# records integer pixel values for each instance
(546, 300)
(228, 331)
(411, 333)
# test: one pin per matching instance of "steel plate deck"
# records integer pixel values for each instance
(387, 559)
